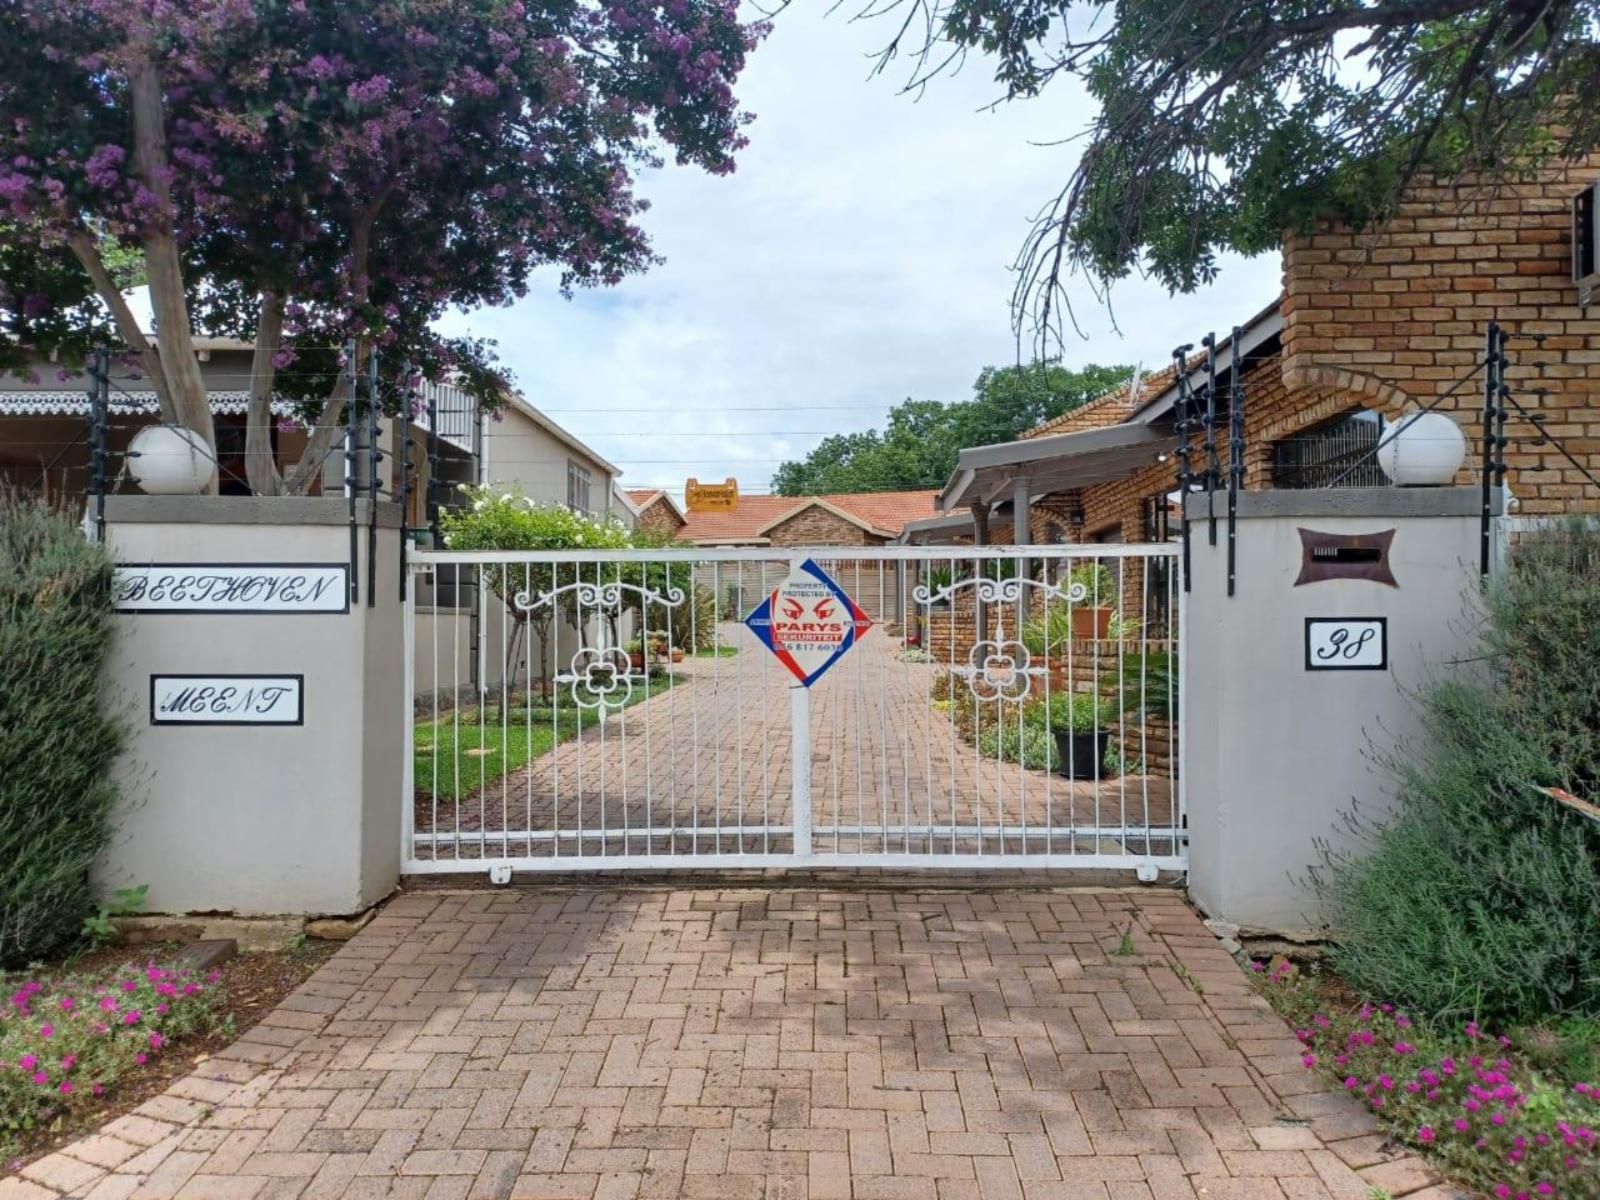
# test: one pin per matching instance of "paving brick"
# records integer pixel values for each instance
(765, 1043)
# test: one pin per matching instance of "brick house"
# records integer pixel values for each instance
(1369, 325)
(654, 510)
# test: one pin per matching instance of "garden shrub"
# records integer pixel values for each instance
(57, 739)
(1481, 895)
(64, 1044)
(1471, 1101)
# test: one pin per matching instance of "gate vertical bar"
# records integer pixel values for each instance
(800, 767)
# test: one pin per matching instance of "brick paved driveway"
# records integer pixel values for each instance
(752, 1044)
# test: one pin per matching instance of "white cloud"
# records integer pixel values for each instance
(860, 255)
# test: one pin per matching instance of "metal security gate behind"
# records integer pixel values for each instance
(610, 710)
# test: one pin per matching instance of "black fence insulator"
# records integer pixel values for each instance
(1235, 458)
(403, 437)
(99, 453)
(431, 499)
(1213, 466)
(1183, 424)
(374, 457)
(1494, 390)
(352, 481)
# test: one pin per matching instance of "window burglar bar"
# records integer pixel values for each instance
(631, 720)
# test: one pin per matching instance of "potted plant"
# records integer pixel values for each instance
(936, 580)
(1091, 617)
(635, 650)
(1081, 723)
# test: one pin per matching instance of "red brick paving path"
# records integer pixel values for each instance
(754, 1043)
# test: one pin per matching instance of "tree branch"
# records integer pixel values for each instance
(87, 252)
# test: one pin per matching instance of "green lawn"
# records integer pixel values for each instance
(462, 751)
(717, 652)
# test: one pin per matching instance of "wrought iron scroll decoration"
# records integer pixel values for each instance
(600, 678)
(1000, 667)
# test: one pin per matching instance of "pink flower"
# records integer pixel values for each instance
(1309, 1060)
(130, 985)
(66, 1004)
(27, 1062)
(66, 1087)
(109, 1004)
(1425, 1134)
(99, 1089)
(1462, 1124)
(68, 1061)
(141, 1059)
(46, 1031)
(1503, 1191)
(156, 1041)
(41, 1078)
(131, 1017)
(1352, 1082)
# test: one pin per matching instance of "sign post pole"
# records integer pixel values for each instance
(800, 767)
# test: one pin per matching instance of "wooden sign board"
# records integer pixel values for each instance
(711, 497)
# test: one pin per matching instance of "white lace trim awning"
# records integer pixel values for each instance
(76, 404)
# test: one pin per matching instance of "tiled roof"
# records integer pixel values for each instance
(1109, 408)
(884, 511)
(642, 496)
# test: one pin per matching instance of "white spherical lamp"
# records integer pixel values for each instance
(166, 460)
(1423, 449)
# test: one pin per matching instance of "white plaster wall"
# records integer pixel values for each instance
(1274, 754)
(260, 819)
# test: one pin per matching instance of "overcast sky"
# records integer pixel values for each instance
(859, 255)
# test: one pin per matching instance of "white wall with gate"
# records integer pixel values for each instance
(927, 744)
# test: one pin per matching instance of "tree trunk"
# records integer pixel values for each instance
(87, 252)
(163, 269)
(260, 468)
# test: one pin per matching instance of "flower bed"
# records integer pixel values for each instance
(65, 1042)
(1472, 1102)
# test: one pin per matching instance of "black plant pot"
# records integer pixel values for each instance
(1081, 755)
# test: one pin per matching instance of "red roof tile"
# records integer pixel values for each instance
(882, 511)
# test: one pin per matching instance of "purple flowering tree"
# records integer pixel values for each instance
(314, 173)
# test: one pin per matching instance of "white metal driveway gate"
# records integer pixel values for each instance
(610, 710)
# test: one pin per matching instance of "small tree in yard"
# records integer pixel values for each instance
(57, 742)
(499, 519)
(314, 173)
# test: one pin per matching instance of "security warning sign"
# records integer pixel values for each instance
(808, 622)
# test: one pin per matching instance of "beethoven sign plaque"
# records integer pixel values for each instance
(232, 587)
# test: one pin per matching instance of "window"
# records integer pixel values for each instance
(578, 485)
(1336, 453)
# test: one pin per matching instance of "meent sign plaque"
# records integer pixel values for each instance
(232, 588)
(227, 699)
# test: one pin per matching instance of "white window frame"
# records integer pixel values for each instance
(580, 478)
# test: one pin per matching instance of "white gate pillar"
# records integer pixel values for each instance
(1315, 660)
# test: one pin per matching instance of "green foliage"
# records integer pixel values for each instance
(1220, 124)
(1080, 712)
(1099, 585)
(57, 741)
(1482, 1108)
(1482, 895)
(65, 1043)
(1150, 684)
(1002, 736)
(918, 447)
(99, 928)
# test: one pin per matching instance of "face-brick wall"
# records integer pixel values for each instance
(1396, 316)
